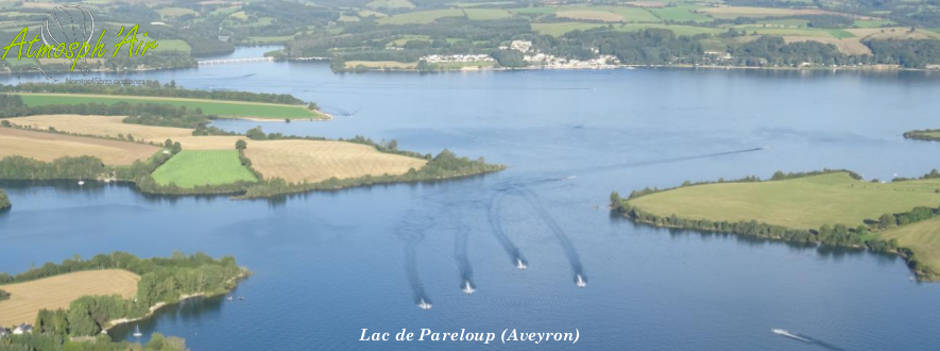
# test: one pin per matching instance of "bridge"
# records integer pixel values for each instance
(235, 60)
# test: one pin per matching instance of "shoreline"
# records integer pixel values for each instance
(862, 68)
(105, 330)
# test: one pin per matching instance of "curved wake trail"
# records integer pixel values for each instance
(413, 233)
(573, 258)
(492, 211)
(563, 175)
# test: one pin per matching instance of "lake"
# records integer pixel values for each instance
(328, 264)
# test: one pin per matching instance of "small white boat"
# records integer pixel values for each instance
(137, 332)
(468, 288)
(424, 305)
(230, 298)
(81, 182)
(521, 265)
(580, 282)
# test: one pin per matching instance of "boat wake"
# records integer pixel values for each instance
(413, 233)
(806, 339)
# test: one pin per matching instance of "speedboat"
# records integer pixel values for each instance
(81, 182)
(424, 305)
(580, 282)
(521, 265)
(137, 332)
(468, 288)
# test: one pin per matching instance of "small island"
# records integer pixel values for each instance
(152, 137)
(830, 207)
(925, 134)
(4, 201)
(92, 296)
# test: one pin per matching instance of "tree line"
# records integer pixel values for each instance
(50, 342)
(4, 201)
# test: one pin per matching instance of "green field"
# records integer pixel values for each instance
(172, 45)
(190, 168)
(221, 108)
(632, 14)
(486, 14)
(421, 17)
(560, 28)
(680, 14)
(921, 237)
(801, 203)
(872, 23)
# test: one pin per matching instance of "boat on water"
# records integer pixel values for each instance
(81, 182)
(424, 305)
(521, 265)
(468, 288)
(580, 282)
(137, 332)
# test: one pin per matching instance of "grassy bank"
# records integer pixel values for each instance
(833, 208)
(220, 108)
(800, 203)
(926, 134)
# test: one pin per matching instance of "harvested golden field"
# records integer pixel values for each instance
(590, 15)
(850, 46)
(313, 161)
(109, 126)
(112, 126)
(26, 299)
(45, 146)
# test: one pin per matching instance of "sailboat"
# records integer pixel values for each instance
(137, 332)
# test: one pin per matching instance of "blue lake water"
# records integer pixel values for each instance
(328, 264)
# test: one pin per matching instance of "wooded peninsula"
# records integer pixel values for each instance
(120, 288)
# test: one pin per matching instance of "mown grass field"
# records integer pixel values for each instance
(803, 203)
(221, 108)
(921, 237)
(190, 168)
(313, 161)
(56, 292)
(47, 147)
(113, 126)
